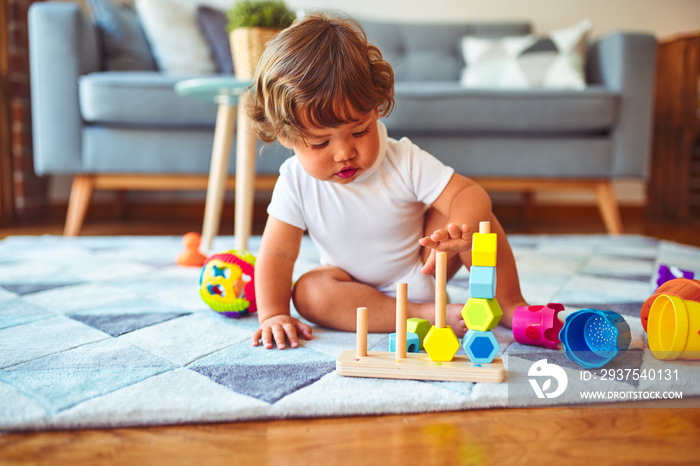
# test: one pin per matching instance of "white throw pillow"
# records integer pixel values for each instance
(178, 45)
(524, 62)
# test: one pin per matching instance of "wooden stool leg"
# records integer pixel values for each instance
(245, 176)
(80, 195)
(609, 210)
(218, 171)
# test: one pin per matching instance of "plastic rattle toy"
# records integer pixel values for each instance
(592, 338)
(538, 325)
(227, 283)
(681, 287)
(674, 328)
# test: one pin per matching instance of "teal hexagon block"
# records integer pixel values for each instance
(481, 347)
(412, 342)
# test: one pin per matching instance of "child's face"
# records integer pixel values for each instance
(339, 154)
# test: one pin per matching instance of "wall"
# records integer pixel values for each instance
(24, 195)
(660, 17)
(663, 18)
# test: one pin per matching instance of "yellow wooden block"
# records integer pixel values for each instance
(441, 344)
(481, 314)
(484, 249)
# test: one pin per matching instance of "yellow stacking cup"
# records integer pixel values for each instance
(674, 328)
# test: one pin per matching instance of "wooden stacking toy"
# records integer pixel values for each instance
(482, 312)
(440, 343)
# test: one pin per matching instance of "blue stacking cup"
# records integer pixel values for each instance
(592, 338)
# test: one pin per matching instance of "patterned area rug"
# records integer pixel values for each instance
(101, 332)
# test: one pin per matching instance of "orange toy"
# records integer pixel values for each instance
(191, 257)
(683, 288)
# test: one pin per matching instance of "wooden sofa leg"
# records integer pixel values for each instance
(80, 194)
(609, 210)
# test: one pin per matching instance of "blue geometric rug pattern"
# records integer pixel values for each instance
(109, 331)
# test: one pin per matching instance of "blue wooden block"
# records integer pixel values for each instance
(482, 282)
(481, 347)
(412, 342)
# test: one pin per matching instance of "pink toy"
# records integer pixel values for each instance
(538, 325)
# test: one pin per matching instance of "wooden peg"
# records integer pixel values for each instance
(484, 228)
(401, 314)
(361, 333)
(440, 289)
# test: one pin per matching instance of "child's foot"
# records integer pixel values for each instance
(508, 311)
(455, 320)
(453, 317)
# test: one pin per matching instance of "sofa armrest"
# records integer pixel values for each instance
(626, 63)
(63, 45)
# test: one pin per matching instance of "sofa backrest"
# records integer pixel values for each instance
(431, 52)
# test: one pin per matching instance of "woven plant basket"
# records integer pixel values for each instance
(247, 46)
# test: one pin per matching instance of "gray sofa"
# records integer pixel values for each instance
(131, 125)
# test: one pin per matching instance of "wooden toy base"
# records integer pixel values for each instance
(418, 366)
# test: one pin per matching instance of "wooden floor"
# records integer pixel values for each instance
(643, 433)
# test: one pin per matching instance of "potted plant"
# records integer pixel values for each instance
(251, 24)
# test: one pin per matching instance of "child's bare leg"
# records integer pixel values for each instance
(329, 296)
(508, 291)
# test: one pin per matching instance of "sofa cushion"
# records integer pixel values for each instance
(555, 61)
(213, 22)
(141, 98)
(149, 98)
(124, 43)
(537, 156)
(430, 52)
(178, 150)
(178, 44)
(449, 107)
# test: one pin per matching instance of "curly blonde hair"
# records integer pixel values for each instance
(315, 73)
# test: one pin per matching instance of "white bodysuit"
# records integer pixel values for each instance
(370, 228)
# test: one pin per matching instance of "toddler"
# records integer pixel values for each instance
(377, 209)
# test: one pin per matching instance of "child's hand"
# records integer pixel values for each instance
(452, 240)
(277, 327)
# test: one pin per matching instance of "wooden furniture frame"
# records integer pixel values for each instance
(603, 189)
(85, 185)
(674, 186)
